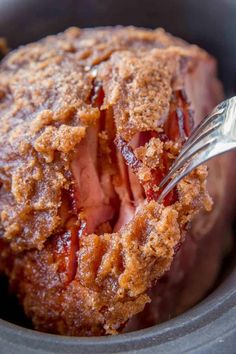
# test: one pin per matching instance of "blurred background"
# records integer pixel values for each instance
(209, 23)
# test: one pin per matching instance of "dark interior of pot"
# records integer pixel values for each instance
(211, 26)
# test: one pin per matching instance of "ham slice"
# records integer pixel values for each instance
(91, 120)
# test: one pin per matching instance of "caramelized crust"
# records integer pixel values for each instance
(56, 96)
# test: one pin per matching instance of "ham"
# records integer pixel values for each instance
(91, 121)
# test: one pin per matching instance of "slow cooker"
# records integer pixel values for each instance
(209, 327)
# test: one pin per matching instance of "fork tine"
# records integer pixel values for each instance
(214, 136)
(201, 129)
(215, 116)
(191, 152)
(201, 132)
(214, 149)
(199, 138)
(184, 171)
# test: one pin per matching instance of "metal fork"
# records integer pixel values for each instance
(215, 135)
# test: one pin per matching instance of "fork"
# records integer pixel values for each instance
(215, 135)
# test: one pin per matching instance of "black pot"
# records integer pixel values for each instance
(209, 327)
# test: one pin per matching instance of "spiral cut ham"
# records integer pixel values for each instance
(91, 121)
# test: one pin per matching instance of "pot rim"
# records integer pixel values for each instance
(212, 308)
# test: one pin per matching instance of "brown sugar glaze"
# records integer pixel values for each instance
(176, 128)
(88, 131)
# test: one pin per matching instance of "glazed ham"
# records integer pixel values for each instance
(91, 121)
